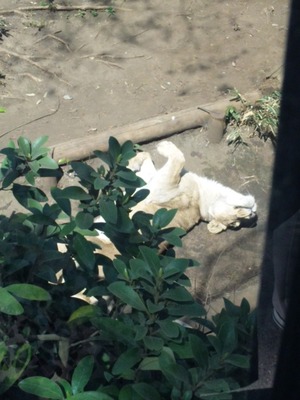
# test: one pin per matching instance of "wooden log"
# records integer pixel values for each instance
(146, 130)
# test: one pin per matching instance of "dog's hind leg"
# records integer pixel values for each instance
(170, 173)
(164, 185)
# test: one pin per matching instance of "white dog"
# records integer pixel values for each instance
(196, 198)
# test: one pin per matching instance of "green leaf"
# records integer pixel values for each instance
(149, 364)
(48, 163)
(163, 217)
(127, 150)
(84, 171)
(43, 387)
(36, 146)
(24, 194)
(29, 292)
(84, 220)
(25, 146)
(66, 229)
(212, 388)
(85, 312)
(84, 251)
(127, 393)
(199, 350)
(140, 269)
(91, 396)
(238, 360)
(114, 148)
(127, 174)
(10, 149)
(66, 386)
(108, 210)
(75, 193)
(245, 307)
(127, 295)
(183, 350)
(151, 258)
(179, 294)
(63, 203)
(216, 343)
(3, 350)
(227, 336)
(176, 374)
(173, 238)
(115, 330)
(8, 304)
(104, 157)
(146, 391)
(232, 309)
(126, 361)
(34, 166)
(9, 178)
(154, 308)
(120, 267)
(176, 265)
(153, 343)
(140, 332)
(140, 195)
(40, 219)
(100, 183)
(20, 362)
(82, 374)
(169, 328)
(2, 110)
(30, 177)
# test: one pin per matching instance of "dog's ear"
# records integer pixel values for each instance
(215, 227)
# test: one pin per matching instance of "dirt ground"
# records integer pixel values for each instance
(91, 73)
(73, 74)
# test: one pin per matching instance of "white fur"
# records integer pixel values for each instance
(196, 198)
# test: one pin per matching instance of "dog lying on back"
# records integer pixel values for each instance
(196, 198)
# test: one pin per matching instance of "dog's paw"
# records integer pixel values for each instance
(215, 227)
(135, 163)
(168, 149)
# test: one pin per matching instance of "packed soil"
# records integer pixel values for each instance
(70, 74)
(73, 73)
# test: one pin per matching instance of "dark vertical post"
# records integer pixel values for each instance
(285, 202)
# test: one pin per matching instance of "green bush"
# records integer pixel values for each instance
(262, 117)
(130, 344)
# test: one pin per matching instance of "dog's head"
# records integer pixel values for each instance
(226, 215)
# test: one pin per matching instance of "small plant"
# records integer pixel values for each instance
(29, 160)
(235, 138)
(94, 13)
(263, 117)
(48, 3)
(80, 14)
(130, 343)
(110, 11)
